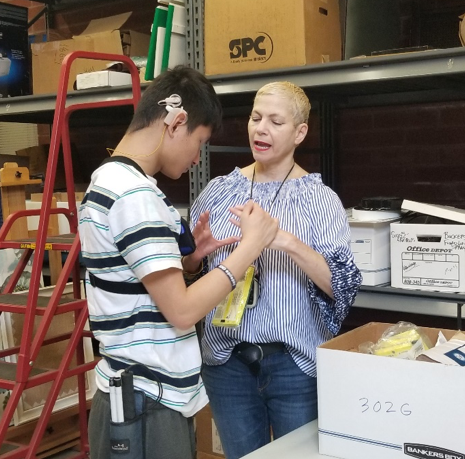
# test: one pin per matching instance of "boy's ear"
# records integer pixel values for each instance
(176, 117)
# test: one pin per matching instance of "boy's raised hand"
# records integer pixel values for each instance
(204, 239)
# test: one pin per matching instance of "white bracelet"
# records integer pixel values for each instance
(229, 274)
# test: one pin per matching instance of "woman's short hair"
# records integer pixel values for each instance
(300, 105)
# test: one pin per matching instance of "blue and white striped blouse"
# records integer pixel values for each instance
(290, 308)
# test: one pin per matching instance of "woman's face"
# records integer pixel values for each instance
(273, 135)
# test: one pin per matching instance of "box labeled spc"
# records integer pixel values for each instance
(244, 35)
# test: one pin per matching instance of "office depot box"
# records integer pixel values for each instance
(374, 407)
(371, 244)
(14, 51)
(106, 35)
(429, 257)
(241, 35)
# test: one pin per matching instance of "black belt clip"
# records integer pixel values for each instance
(252, 354)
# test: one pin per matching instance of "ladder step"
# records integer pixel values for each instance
(60, 242)
(8, 372)
(17, 302)
(8, 447)
(39, 376)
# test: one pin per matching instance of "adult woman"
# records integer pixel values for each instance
(262, 374)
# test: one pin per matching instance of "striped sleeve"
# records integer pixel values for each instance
(147, 236)
(331, 238)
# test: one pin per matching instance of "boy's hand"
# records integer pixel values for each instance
(255, 223)
(204, 239)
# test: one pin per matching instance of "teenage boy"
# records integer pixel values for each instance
(140, 309)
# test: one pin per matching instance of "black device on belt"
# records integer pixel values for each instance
(252, 354)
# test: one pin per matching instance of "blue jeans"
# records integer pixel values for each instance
(282, 397)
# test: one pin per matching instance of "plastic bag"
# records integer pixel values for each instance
(403, 340)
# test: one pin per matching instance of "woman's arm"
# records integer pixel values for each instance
(312, 263)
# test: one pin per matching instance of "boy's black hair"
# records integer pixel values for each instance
(198, 96)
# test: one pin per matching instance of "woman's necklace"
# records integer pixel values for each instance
(280, 186)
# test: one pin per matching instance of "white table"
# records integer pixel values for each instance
(302, 443)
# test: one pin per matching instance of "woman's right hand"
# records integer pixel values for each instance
(256, 224)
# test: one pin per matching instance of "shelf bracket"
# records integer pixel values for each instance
(199, 175)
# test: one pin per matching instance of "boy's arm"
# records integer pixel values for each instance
(185, 306)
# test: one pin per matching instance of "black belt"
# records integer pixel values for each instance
(252, 354)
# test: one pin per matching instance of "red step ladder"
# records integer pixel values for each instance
(24, 374)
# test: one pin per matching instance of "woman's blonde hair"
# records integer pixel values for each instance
(300, 105)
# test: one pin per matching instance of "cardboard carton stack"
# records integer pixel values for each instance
(106, 35)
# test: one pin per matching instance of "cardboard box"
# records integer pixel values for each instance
(105, 35)
(371, 245)
(448, 352)
(208, 439)
(102, 78)
(373, 407)
(242, 36)
(14, 51)
(429, 257)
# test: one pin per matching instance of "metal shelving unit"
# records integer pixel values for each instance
(412, 301)
(40, 109)
(437, 75)
(398, 79)
(395, 79)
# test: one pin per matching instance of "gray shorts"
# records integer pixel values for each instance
(169, 435)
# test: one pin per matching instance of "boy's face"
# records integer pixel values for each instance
(187, 150)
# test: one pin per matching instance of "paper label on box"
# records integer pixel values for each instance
(361, 248)
(417, 269)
